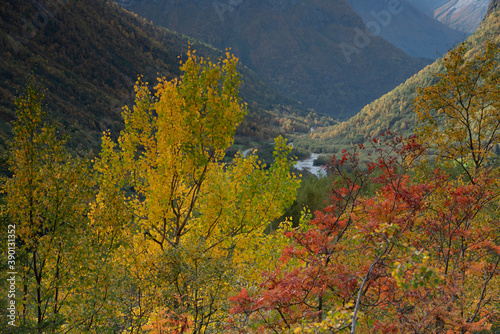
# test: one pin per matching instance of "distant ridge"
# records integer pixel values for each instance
(462, 15)
(316, 51)
(394, 110)
(412, 30)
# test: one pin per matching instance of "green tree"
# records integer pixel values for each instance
(46, 199)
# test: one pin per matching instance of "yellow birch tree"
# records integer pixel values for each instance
(196, 227)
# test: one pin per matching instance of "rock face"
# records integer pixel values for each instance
(316, 51)
(494, 6)
(462, 15)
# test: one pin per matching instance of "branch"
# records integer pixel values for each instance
(365, 280)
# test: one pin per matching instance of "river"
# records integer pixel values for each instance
(308, 164)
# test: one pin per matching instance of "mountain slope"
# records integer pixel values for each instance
(394, 110)
(87, 54)
(316, 51)
(494, 6)
(462, 15)
(408, 28)
(428, 6)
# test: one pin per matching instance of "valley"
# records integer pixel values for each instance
(316, 51)
(260, 167)
(394, 110)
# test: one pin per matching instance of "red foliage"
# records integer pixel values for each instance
(401, 254)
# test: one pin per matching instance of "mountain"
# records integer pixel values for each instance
(316, 51)
(428, 6)
(393, 110)
(407, 27)
(462, 15)
(494, 6)
(87, 55)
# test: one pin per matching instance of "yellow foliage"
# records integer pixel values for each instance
(195, 225)
(460, 113)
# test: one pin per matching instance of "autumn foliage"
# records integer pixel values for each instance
(161, 234)
(402, 248)
(407, 243)
(459, 114)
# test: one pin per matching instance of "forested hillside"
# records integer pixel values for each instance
(88, 54)
(493, 6)
(393, 110)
